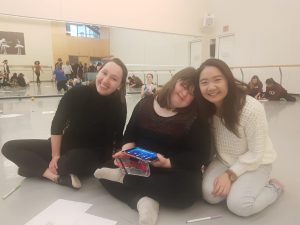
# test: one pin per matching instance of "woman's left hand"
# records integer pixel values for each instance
(222, 185)
(162, 162)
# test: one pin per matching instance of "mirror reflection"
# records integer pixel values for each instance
(33, 51)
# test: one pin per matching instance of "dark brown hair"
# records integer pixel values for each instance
(259, 83)
(234, 100)
(186, 75)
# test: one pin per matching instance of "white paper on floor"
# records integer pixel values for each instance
(93, 220)
(61, 212)
(65, 212)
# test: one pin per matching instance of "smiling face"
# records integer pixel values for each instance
(182, 95)
(254, 80)
(109, 79)
(149, 78)
(213, 85)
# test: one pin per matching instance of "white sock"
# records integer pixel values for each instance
(148, 211)
(110, 174)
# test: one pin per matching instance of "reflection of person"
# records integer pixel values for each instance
(244, 151)
(6, 70)
(255, 87)
(275, 91)
(1, 79)
(59, 63)
(89, 120)
(14, 80)
(37, 69)
(166, 123)
(67, 68)
(136, 82)
(61, 79)
(21, 80)
(148, 88)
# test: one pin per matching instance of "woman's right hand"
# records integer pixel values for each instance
(222, 185)
(119, 154)
(53, 164)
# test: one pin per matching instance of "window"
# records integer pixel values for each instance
(82, 30)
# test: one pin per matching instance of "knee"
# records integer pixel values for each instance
(207, 189)
(8, 149)
(242, 206)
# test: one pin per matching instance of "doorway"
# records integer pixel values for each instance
(226, 48)
(195, 53)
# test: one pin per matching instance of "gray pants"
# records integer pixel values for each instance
(249, 194)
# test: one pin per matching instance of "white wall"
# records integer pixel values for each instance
(266, 33)
(143, 47)
(38, 44)
(150, 50)
(174, 16)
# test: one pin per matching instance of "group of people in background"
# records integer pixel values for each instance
(274, 91)
(68, 76)
(211, 140)
(16, 80)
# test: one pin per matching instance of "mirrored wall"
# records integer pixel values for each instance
(26, 40)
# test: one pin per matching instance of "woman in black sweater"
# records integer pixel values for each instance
(87, 125)
(166, 123)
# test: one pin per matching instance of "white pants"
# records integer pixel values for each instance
(249, 194)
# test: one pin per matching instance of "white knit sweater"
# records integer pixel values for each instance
(253, 148)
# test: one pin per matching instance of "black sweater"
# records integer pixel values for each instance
(87, 119)
(185, 139)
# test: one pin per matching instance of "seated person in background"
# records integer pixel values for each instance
(21, 80)
(166, 123)
(255, 87)
(275, 91)
(149, 88)
(130, 81)
(61, 79)
(1, 79)
(137, 82)
(92, 68)
(14, 80)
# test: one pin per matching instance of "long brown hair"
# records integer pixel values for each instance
(234, 100)
(188, 76)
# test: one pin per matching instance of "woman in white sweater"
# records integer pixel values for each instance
(240, 172)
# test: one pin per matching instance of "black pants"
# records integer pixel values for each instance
(33, 157)
(172, 188)
(38, 77)
(289, 98)
(62, 85)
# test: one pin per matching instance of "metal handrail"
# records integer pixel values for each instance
(27, 70)
(280, 66)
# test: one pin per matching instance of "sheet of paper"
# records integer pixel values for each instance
(93, 220)
(61, 212)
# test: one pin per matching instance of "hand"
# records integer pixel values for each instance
(120, 154)
(53, 164)
(162, 162)
(222, 185)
